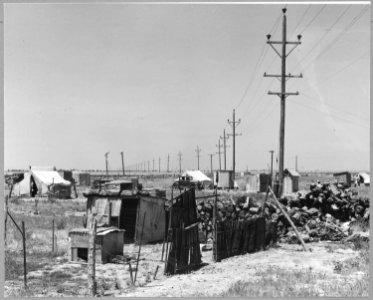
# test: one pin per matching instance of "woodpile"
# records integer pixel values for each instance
(321, 213)
(230, 207)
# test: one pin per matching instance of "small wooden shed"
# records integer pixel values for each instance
(109, 243)
(343, 177)
(223, 179)
(291, 181)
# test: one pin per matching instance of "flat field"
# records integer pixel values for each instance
(330, 269)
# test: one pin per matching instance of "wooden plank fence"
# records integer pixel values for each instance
(183, 254)
(235, 237)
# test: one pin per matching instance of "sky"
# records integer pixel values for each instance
(152, 80)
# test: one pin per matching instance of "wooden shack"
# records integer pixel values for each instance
(223, 179)
(125, 208)
(343, 177)
(109, 243)
(291, 181)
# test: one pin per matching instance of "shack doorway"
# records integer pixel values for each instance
(128, 216)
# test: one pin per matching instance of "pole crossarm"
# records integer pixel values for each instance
(287, 42)
(283, 94)
(286, 76)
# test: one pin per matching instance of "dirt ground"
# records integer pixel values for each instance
(61, 277)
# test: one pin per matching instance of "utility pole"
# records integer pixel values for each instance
(107, 163)
(283, 94)
(198, 150)
(159, 165)
(219, 152)
(234, 124)
(124, 173)
(224, 138)
(212, 171)
(168, 163)
(148, 166)
(271, 167)
(179, 154)
(296, 163)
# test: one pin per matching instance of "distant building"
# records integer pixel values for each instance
(291, 181)
(343, 177)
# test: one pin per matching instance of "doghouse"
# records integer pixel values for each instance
(108, 243)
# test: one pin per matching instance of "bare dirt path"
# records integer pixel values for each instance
(65, 278)
(215, 278)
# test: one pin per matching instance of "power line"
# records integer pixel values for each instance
(314, 18)
(263, 53)
(301, 18)
(331, 114)
(324, 80)
(334, 109)
(353, 21)
(325, 34)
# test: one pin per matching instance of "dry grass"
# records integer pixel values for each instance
(38, 232)
(276, 282)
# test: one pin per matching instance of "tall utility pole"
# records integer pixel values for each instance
(198, 150)
(153, 164)
(271, 167)
(168, 163)
(224, 138)
(212, 171)
(148, 166)
(234, 124)
(179, 154)
(283, 94)
(159, 165)
(296, 163)
(219, 152)
(107, 163)
(124, 173)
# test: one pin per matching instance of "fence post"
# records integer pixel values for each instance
(6, 217)
(53, 236)
(92, 258)
(24, 253)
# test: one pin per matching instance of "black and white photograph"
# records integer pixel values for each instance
(186, 149)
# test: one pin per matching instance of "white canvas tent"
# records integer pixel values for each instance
(364, 178)
(40, 181)
(196, 176)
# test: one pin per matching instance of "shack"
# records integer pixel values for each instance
(121, 204)
(223, 179)
(344, 178)
(291, 181)
(257, 182)
(82, 179)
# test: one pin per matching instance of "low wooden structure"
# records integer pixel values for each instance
(291, 181)
(344, 178)
(108, 243)
(183, 254)
(223, 179)
(120, 204)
